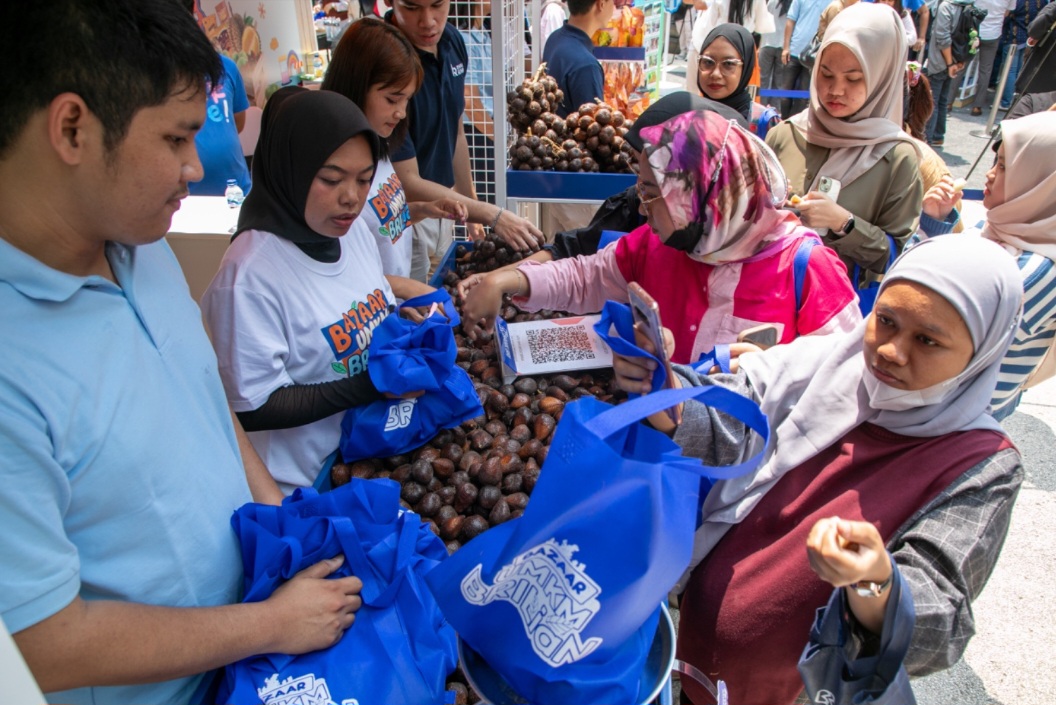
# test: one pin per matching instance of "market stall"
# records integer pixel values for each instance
(632, 82)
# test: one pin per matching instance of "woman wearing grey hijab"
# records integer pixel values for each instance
(881, 439)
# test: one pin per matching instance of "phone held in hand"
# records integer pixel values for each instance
(646, 314)
(830, 187)
(763, 336)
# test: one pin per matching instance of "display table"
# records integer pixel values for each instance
(564, 187)
(199, 235)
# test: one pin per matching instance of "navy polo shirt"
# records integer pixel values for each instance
(435, 112)
(569, 57)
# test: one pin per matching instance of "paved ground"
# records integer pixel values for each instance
(1006, 662)
(1016, 629)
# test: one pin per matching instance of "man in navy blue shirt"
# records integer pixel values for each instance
(569, 54)
(434, 158)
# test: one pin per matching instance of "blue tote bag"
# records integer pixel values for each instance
(407, 357)
(833, 673)
(563, 602)
(867, 292)
(400, 649)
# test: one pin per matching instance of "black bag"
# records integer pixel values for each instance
(833, 672)
(965, 37)
(809, 55)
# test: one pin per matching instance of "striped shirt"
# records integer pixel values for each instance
(1037, 328)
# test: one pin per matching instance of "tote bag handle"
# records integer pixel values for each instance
(741, 408)
(378, 590)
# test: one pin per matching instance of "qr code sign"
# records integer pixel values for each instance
(552, 345)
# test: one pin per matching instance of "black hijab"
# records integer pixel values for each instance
(674, 104)
(743, 42)
(299, 130)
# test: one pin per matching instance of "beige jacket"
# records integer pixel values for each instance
(885, 200)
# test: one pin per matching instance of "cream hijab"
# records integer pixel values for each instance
(874, 34)
(1027, 218)
(812, 389)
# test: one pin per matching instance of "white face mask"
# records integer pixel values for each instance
(884, 397)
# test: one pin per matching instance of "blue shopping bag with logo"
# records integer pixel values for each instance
(563, 602)
(410, 357)
(400, 649)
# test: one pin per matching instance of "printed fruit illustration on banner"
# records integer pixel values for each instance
(257, 36)
(626, 29)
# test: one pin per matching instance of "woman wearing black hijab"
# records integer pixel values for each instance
(620, 212)
(725, 66)
(294, 305)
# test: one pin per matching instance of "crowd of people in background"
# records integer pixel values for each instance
(902, 335)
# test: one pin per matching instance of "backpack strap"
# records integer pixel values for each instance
(799, 267)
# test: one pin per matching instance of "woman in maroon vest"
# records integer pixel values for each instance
(881, 439)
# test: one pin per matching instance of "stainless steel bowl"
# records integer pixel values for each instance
(494, 689)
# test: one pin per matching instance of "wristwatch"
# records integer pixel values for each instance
(867, 588)
(847, 227)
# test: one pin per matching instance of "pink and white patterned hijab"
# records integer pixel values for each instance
(722, 187)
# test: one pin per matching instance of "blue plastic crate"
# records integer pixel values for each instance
(447, 263)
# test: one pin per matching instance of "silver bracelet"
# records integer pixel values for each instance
(495, 220)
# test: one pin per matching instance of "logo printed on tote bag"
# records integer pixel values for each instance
(400, 414)
(306, 690)
(824, 697)
(554, 596)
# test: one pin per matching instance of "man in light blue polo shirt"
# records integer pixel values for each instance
(800, 27)
(119, 458)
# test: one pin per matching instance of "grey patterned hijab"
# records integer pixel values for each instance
(812, 389)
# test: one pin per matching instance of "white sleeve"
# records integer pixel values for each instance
(250, 341)
(762, 20)
(910, 27)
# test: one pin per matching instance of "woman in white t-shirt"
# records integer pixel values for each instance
(298, 295)
(378, 69)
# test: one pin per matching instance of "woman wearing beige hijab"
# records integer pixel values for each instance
(1020, 195)
(851, 133)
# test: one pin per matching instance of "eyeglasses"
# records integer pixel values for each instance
(645, 200)
(728, 67)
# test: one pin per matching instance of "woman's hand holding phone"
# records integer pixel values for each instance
(635, 374)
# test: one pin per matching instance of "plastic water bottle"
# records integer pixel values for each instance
(234, 194)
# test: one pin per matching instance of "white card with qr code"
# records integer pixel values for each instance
(557, 345)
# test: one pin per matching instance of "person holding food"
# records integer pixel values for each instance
(883, 463)
(849, 140)
(1020, 197)
(299, 292)
(716, 252)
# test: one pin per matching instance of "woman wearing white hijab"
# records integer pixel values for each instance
(880, 438)
(1020, 194)
(851, 133)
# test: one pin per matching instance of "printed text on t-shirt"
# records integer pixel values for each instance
(350, 337)
(390, 206)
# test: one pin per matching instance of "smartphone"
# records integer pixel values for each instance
(646, 313)
(765, 336)
(830, 187)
